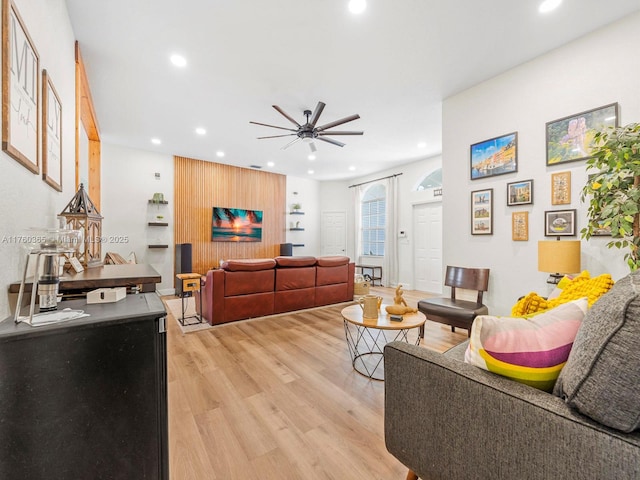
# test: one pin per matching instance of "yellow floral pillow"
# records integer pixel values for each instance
(581, 286)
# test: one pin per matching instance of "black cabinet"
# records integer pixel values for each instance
(86, 398)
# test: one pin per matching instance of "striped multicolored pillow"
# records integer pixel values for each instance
(531, 350)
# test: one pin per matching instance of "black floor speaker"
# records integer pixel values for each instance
(182, 263)
(286, 249)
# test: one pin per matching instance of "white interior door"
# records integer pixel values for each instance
(427, 253)
(334, 233)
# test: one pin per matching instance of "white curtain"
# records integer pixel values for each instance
(357, 221)
(390, 263)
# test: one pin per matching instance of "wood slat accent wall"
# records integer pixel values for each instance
(200, 186)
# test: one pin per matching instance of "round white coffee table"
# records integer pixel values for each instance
(366, 337)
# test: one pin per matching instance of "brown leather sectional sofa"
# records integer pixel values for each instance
(242, 289)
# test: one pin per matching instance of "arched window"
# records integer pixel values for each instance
(433, 180)
(373, 208)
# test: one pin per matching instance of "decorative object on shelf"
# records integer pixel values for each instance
(558, 258)
(81, 214)
(520, 193)
(399, 306)
(296, 207)
(495, 156)
(482, 212)
(559, 223)
(158, 198)
(520, 226)
(561, 188)
(613, 191)
(20, 93)
(569, 139)
(51, 134)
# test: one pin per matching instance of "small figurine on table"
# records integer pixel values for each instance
(399, 306)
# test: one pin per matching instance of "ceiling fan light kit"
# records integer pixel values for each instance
(308, 132)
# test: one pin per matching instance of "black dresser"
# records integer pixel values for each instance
(87, 398)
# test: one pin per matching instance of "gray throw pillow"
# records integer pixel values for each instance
(601, 378)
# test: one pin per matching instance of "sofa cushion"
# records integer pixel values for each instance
(332, 261)
(530, 351)
(295, 278)
(248, 265)
(299, 261)
(602, 376)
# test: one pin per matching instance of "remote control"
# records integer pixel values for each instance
(396, 318)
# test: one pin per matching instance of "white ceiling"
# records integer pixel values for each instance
(393, 65)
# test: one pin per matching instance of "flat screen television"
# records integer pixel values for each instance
(236, 225)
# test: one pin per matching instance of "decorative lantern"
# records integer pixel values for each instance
(83, 215)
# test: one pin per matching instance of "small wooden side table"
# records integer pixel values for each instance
(191, 282)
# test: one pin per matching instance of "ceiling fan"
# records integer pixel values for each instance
(308, 132)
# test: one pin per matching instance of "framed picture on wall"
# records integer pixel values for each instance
(520, 226)
(561, 188)
(520, 193)
(559, 223)
(51, 134)
(482, 212)
(20, 92)
(569, 138)
(495, 156)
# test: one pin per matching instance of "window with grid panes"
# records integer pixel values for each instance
(373, 209)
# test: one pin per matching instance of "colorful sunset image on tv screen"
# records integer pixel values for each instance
(236, 225)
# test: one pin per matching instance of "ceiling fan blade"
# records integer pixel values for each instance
(277, 136)
(316, 113)
(282, 112)
(341, 133)
(312, 146)
(330, 140)
(291, 143)
(339, 122)
(274, 126)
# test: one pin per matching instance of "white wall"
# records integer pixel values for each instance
(305, 192)
(593, 71)
(27, 201)
(128, 183)
(337, 196)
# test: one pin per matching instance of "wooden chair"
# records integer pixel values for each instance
(453, 311)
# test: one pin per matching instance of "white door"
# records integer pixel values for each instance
(427, 252)
(334, 233)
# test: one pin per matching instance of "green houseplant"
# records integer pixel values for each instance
(614, 191)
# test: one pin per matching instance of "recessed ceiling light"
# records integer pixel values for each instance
(310, 172)
(357, 6)
(178, 60)
(352, 168)
(156, 141)
(549, 5)
(220, 153)
(422, 144)
(311, 157)
(270, 164)
(201, 131)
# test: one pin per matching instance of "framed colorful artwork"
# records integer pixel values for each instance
(559, 223)
(20, 92)
(561, 188)
(520, 226)
(495, 156)
(520, 193)
(51, 134)
(569, 138)
(482, 212)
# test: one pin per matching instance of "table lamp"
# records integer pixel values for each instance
(558, 258)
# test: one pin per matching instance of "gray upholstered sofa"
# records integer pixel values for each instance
(446, 419)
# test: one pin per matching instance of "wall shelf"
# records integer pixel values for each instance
(158, 224)
(163, 202)
(158, 246)
(296, 229)
(297, 245)
(296, 213)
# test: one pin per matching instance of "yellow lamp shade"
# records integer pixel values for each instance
(557, 256)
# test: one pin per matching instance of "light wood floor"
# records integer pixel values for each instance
(277, 398)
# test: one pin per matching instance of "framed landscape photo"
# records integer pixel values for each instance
(561, 188)
(520, 193)
(495, 156)
(51, 134)
(559, 223)
(520, 226)
(569, 138)
(482, 212)
(20, 91)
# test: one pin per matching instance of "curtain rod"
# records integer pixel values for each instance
(375, 180)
